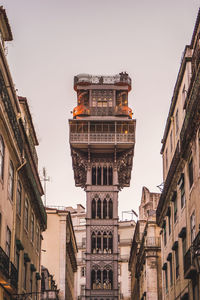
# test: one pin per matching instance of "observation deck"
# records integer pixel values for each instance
(121, 79)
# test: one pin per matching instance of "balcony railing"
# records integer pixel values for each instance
(152, 242)
(4, 263)
(13, 276)
(8, 270)
(111, 138)
(189, 268)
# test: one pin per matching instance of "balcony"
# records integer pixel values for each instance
(13, 276)
(152, 242)
(8, 272)
(91, 132)
(4, 265)
(82, 110)
(87, 79)
(189, 268)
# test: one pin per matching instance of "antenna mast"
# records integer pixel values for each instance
(45, 178)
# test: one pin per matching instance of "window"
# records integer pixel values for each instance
(164, 233)
(26, 208)
(11, 180)
(24, 275)
(166, 159)
(38, 239)
(8, 241)
(93, 175)
(177, 121)
(31, 281)
(166, 280)
(171, 141)
(171, 271)
(99, 209)
(2, 155)
(110, 209)
(32, 227)
(174, 199)
(19, 197)
(192, 226)
(184, 247)
(110, 171)
(177, 262)
(82, 271)
(93, 209)
(17, 259)
(169, 219)
(182, 188)
(183, 95)
(190, 171)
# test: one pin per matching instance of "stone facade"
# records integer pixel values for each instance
(178, 211)
(22, 214)
(145, 255)
(102, 137)
(59, 251)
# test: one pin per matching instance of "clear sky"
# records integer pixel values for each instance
(57, 39)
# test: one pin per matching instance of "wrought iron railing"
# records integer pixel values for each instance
(4, 263)
(189, 267)
(13, 275)
(102, 137)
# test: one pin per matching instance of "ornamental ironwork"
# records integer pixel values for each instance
(10, 112)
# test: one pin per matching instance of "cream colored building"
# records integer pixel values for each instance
(126, 230)
(59, 250)
(145, 254)
(178, 210)
(22, 214)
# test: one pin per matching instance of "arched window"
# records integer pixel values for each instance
(104, 175)
(105, 279)
(99, 242)
(99, 175)
(93, 279)
(105, 243)
(93, 209)
(2, 155)
(99, 209)
(110, 242)
(93, 175)
(105, 209)
(98, 286)
(93, 242)
(110, 175)
(110, 276)
(110, 209)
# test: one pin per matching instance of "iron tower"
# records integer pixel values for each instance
(102, 138)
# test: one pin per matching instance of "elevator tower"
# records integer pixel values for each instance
(102, 138)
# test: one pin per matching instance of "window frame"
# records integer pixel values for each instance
(11, 172)
(2, 157)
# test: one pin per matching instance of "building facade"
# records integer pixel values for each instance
(22, 214)
(102, 137)
(178, 211)
(145, 254)
(59, 250)
(125, 234)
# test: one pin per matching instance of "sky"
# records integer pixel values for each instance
(54, 40)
